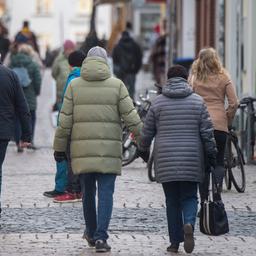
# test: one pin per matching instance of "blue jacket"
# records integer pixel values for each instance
(75, 73)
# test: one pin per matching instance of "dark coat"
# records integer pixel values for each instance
(33, 90)
(127, 56)
(4, 46)
(12, 103)
(183, 131)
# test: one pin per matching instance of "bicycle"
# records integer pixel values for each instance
(129, 146)
(234, 163)
(248, 134)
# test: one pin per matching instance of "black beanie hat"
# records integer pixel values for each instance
(76, 59)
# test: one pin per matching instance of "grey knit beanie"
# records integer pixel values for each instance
(99, 52)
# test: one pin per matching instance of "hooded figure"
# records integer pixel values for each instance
(127, 59)
(183, 131)
(93, 107)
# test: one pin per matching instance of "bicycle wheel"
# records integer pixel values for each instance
(237, 174)
(228, 179)
(129, 154)
(150, 166)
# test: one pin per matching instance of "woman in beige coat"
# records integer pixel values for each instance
(212, 81)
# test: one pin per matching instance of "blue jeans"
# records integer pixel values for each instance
(3, 147)
(61, 176)
(97, 223)
(181, 207)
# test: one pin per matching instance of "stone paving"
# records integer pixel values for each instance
(33, 225)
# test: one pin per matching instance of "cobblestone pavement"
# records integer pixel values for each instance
(33, 225)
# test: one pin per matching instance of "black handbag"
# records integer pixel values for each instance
(213, 217)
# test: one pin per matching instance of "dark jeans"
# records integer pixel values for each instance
(220, 138)
(129, 81)
(97, 222)
(181, 207)
(17, 134)
(3, 147)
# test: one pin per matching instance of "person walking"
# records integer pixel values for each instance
(67, 185)
(212, 81)
(30, 79)
(60, 71)
(93, 107)
(158, 56)
(127, 60)
(25, 35)
(12, 104)
(183, 131)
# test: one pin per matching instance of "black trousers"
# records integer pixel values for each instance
(220, 138)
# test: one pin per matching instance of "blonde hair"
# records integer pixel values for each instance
(208, 63)
(26, 48)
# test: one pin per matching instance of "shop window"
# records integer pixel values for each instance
(85, 6)
(44, 6)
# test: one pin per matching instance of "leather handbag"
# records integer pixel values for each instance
(213, 216)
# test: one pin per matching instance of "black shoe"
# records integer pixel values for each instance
(32, 147)
(102, 246)
(189, 242)
(53, 193)
(174, 247)
(89, 240)
(20, 149)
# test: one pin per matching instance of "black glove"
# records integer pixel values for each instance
(143, 154)
(60, 156)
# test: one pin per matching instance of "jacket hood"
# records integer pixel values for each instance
(20, 60)
(177, 87)
(95, 69)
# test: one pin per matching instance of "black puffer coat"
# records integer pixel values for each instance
(127, 56)
(183, 131)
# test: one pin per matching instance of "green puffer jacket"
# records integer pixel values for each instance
(60, 72)
(91, 113)
(33, 90)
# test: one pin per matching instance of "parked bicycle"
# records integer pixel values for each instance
(234, 163)
(249, 129)
(129, 146)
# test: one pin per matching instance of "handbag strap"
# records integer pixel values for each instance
(216, 189)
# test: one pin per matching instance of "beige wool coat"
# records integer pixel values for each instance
(215, 91)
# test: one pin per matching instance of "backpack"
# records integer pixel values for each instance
(23, 76)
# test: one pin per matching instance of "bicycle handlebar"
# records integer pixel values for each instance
(247, 100)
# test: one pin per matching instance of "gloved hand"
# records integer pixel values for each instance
(59, 156)
(143, 154)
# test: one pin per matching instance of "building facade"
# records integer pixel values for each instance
(53, 21)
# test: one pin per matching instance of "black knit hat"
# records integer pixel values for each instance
(76, 59)
(177, 71)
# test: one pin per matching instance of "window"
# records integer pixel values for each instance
(44, 6)
(85, 6)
